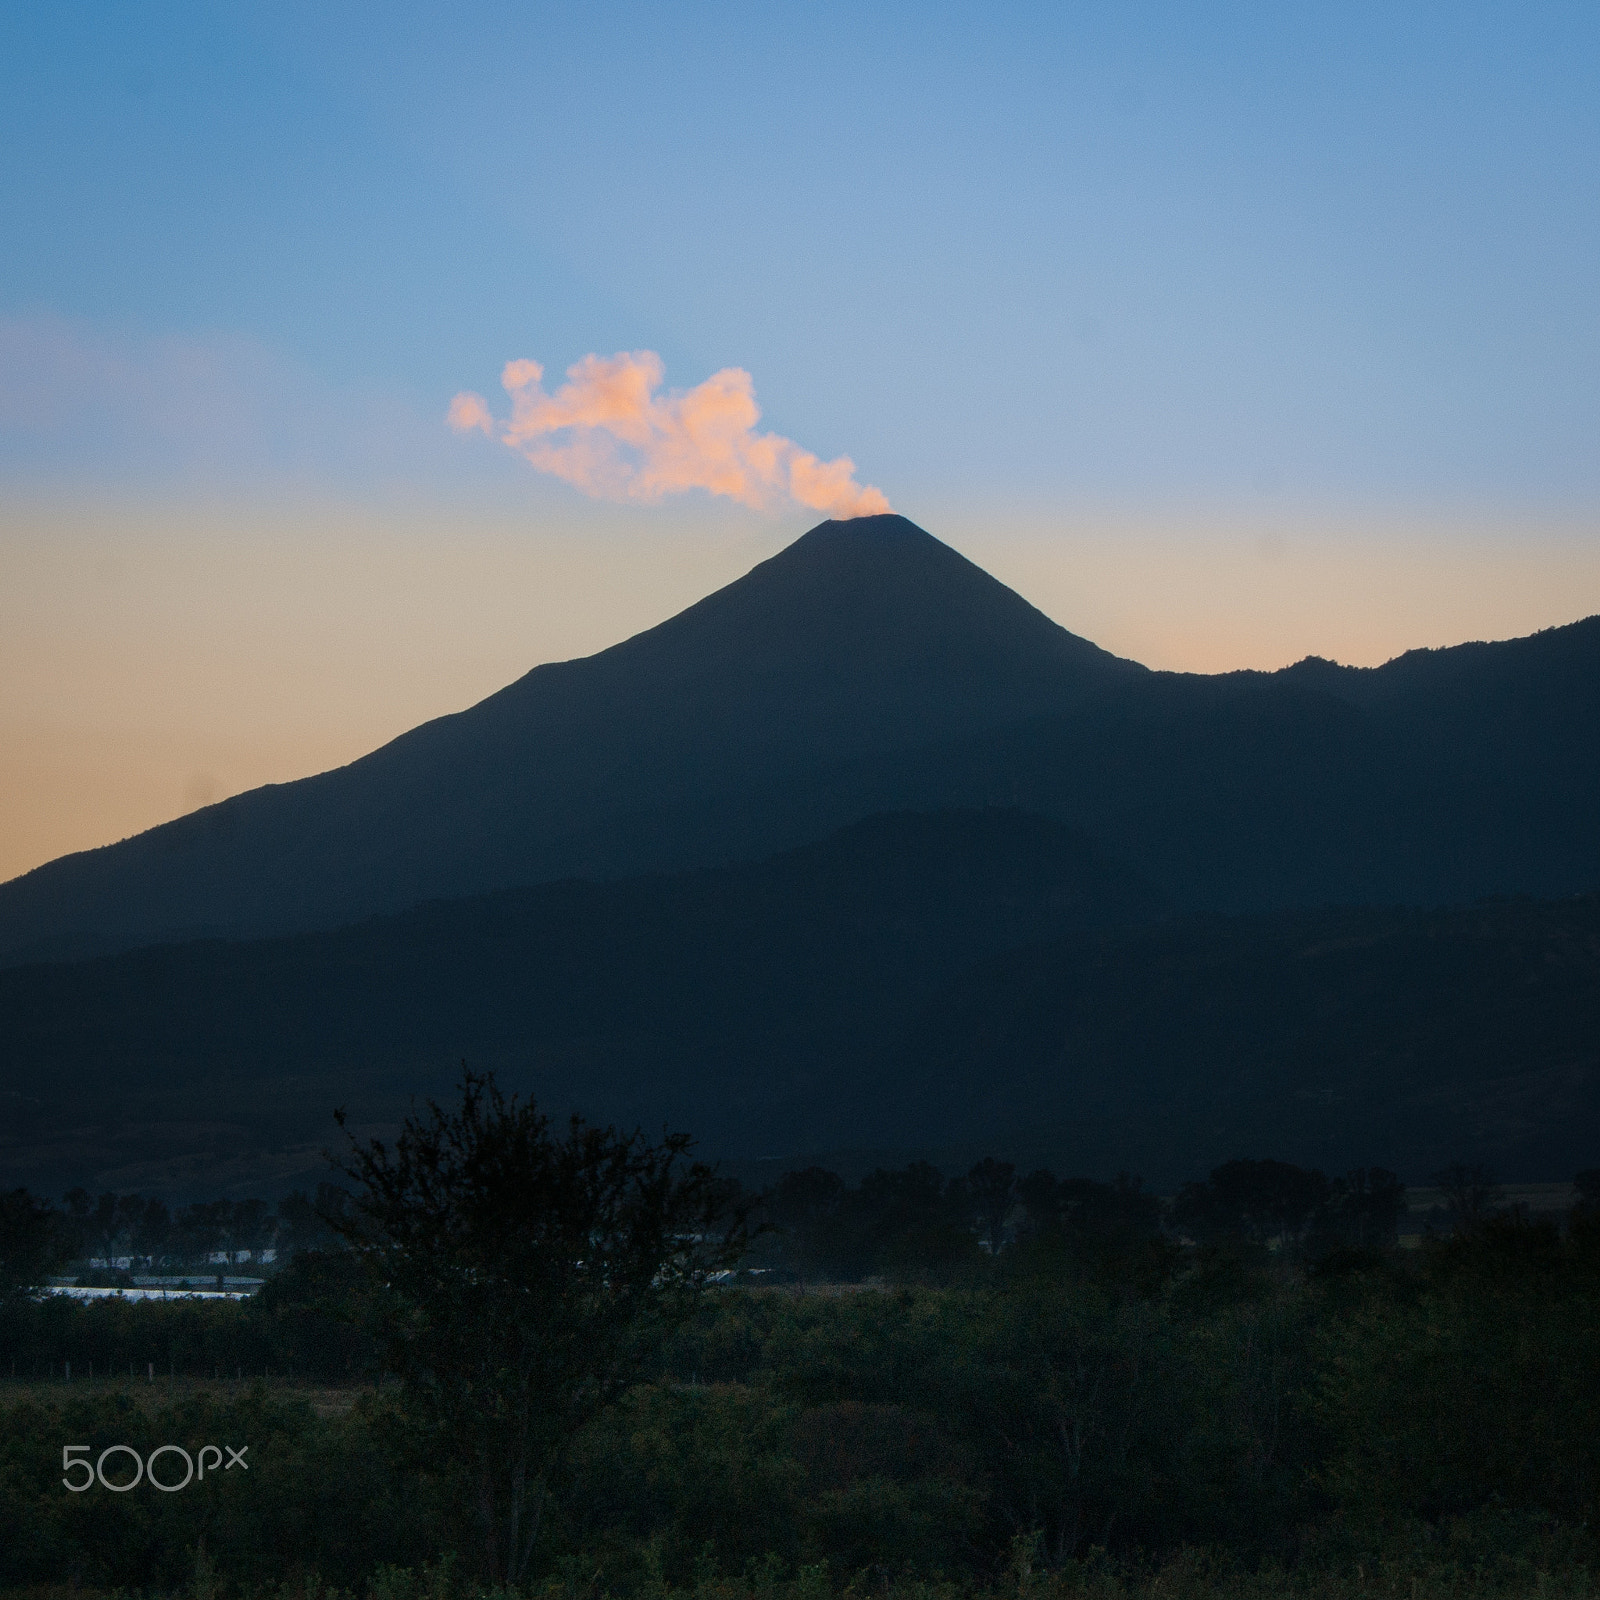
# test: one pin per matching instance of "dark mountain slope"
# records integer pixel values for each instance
(1444, 776)
(1335, 1038)
(732, 1001)
(862, 637)
(949, 984)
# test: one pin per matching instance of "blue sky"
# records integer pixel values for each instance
(1119, 251)
(1291, 309)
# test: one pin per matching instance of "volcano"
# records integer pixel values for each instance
(862, 639)
(869, 668)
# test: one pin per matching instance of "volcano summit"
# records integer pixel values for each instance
(869, 667)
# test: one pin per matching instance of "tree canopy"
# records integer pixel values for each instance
(517, 1277)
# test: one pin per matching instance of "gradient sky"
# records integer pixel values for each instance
(1226, 333)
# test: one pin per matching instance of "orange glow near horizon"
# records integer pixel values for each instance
(156, 658)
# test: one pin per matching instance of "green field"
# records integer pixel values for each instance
(1420, 1423)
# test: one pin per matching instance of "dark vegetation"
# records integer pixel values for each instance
(989, 1383)
(945, 983)
(517, 1280)
(107, 1238)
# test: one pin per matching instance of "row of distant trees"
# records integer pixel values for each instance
(914, 1221)
(911, 1220)
(142, 1229)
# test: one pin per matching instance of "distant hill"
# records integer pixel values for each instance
(1403, 1038)
(944, 985)
(870, 668)
(740, 1003)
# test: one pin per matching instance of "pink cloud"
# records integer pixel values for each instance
(467, 411)
(608, 432)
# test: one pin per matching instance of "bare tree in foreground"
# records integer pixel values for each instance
(520, 1278)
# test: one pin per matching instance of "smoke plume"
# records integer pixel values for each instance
(608, 432)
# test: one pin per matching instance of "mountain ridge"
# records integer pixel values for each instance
(733, 688)
(868, 667)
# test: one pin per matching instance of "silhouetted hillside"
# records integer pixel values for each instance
(866, 636)
(1443, 776)
(736, 1002)
(869, 668)
(950, 985)
(1335, 1038)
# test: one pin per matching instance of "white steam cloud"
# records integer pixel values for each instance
(608, 432)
